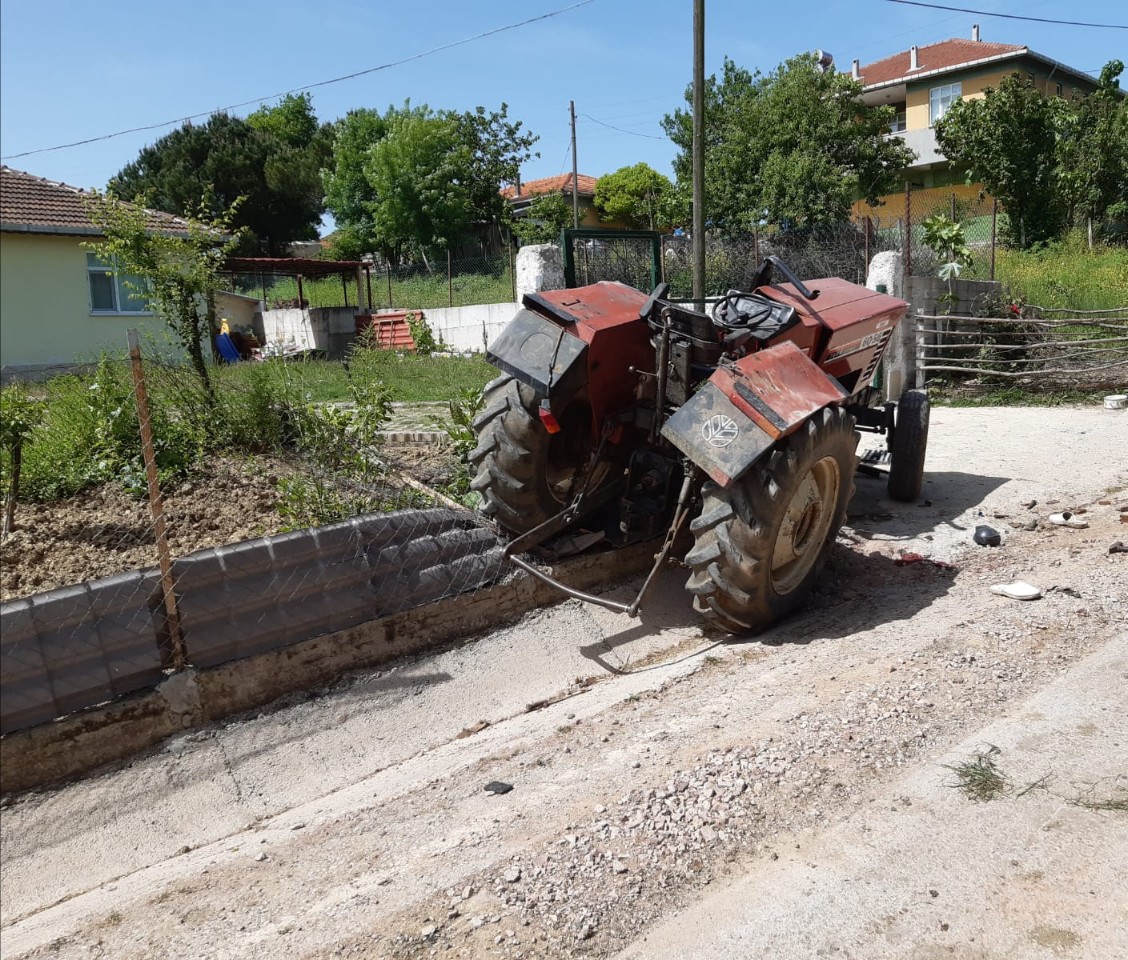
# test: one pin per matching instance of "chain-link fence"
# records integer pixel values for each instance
(165, 522)
(445, 281)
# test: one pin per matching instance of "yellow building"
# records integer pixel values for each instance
(921, 83)
(59, 304)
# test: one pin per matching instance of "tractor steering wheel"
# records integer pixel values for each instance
(726, 314)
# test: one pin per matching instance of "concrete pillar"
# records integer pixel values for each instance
(540, 266)
(899, 372)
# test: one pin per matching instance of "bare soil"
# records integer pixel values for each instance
(106, 530)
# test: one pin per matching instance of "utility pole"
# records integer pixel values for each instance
(698, 153)
(575, 174)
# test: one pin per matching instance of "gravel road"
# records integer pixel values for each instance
(652, 762)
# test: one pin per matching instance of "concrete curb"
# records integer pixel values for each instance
(84, 741)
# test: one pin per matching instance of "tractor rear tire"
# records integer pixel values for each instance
(907, 446)
(525, 475)
(762, 541)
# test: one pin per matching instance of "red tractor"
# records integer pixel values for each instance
(629, 415)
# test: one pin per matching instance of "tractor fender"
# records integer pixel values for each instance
(542, 354)
(747, 407)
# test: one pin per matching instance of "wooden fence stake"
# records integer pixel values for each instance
(156, 505)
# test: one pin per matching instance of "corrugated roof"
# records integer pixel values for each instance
(560, 184)
(31, 204)
(946, 55)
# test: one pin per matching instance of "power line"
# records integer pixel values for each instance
(310, 86)
(1012, 16)
(633, 133)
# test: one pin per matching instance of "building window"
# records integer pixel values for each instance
(1058, 91)
(898, 124)
(941, 98)
(109, 291)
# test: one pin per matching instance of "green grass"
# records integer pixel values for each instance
(410, 378)
(1063, 275)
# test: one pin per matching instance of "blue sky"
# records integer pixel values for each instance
(76, 70)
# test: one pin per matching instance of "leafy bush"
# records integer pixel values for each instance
(460, 428)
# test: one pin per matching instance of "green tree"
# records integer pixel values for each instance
(272, 159)
(180, 270)
(1092, 152)
(796, 145)
(413, 179)
(418, 172)
(1008, 140)
(638, 195)
(544, 218)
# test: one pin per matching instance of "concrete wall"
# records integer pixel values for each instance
(329, 329)
(470, 328)
(45, 318)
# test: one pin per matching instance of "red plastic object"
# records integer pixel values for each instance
(550, 422)
(391, 329)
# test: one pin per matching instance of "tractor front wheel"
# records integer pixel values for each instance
(761, 542)
(525, 475)
(907, 445)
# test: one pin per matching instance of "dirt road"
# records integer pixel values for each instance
(659, 762)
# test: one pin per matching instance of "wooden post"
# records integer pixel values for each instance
(866, 224)
(994, 223)
(756, 246)
(389, 266)
(359, 292)
(156, 504)
(368, 284)
(345, 288)
(512, 272)
(450, 282)
(301, 294)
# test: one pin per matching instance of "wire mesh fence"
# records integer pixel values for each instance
(445, 281)
(165, 521)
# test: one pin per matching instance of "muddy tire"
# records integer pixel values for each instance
(525, 474)
(907, 446)
(761, 542)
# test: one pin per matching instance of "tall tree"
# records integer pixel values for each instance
(272, 159)
(388, 174)
(1092, 152)
(796, 145)
(1008, 140)
(639, 196)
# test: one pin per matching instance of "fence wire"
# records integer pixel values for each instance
(425, 283)
(285, 517)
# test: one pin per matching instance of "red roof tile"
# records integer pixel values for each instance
(560, 184)
(946, 55)
(35, 205)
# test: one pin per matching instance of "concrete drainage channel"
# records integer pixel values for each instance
(238, 670)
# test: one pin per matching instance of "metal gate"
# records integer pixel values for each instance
(633, 257)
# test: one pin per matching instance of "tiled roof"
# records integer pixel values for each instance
(560, 184)
(946, 55)
(30, 204)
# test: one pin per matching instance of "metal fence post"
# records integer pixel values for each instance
(389, 266)
(994, 224)
(908, 229)
(512, 272)
(450, 281)
(156, 504)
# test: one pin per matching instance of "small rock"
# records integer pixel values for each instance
(260, 857)
(428, 931)
(512, 875)
(618, 866)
